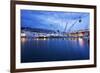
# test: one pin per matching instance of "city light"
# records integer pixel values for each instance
(23, 34)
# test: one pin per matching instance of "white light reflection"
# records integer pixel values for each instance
(81, 42)
(23, 40)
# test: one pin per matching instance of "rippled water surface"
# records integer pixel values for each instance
(54, 49)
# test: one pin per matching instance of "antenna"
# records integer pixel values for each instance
(72, 25)
(65, 27)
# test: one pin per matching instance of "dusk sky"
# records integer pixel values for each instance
(54, 20)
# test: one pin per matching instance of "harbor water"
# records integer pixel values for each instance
(54, 49)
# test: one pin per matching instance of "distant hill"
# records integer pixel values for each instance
(37, 30)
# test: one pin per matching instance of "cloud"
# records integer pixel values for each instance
(54, 20)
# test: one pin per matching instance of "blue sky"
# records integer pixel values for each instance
(54, 20)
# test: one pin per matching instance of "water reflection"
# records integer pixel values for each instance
(81, 42)
(53, 49)
(23, 40)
